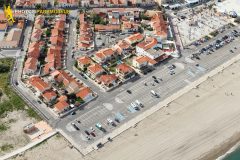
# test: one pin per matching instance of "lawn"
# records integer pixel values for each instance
(13, 101)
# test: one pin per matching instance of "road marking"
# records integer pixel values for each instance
(118, 100)
(109, 106)
(187, 81)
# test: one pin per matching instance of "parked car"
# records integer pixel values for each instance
(155, 80)
(153, 93)
(128, 91)
(87, 132)
(139, 103)
(75, 126)
(111, 122)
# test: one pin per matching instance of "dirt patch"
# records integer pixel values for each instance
(13, 137)
(55, 148)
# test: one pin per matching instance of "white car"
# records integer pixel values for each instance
(135, 105)
(154, 93)
(139, 103)
(110, 121)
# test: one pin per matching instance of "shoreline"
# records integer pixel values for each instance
(223, 149)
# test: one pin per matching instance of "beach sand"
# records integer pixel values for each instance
(202, 124)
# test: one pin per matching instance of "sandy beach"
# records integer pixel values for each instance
(202, 124)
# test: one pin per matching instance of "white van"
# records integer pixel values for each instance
(154, 93)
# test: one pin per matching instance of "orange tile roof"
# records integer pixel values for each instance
(83, 93)
(49, 95)
(36, 44)
(148, 43)
(81, 17)
(39, 20)
(108, 78)
(56, 40)
(121, 45)
(56, 32)
(143, 59)
(124, 68)
(85, 60)
(109, 27)
(34, 52)
(62, 17)
(38, 83)
(84, 38)
(31, 63)
(159, 25)
(37, 33)
(83, 45)
(61, 105)
(135, 37)
(95, 68)
(60, 25)
(106, 52)
(62, 98)
(66, 79)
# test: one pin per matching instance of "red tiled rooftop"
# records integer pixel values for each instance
(38, 83)
(94, 68)
(124, 68)
(84, 92)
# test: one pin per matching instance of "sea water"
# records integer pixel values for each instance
(235, 155)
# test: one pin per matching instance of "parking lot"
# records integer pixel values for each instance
(106, 39)
(199, 24)
(94, 122)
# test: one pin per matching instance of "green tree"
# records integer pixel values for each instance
(48, 32)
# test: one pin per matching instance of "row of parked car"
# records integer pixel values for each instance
(217, 44)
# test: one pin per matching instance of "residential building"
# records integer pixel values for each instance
(95, 70)
(39, 21)
(31, 3)
(57, 40)
(121, 47)
(84, 62)
(49, 96)
(33, 52)
(30, 66)
(36, 35)
(159, 25)
(13, 39)
(143, 61)
(85, 94)
(150, 47)
(61, 107)
(129, 27)
(108, 80)
(53, 59)
(107, 28)
(73, 87)
(38, 84)
(135, 38)
(104, 55)
(67, 3)
(124, 71)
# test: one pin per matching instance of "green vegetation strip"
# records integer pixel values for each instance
(13, 101)
(6, 147)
